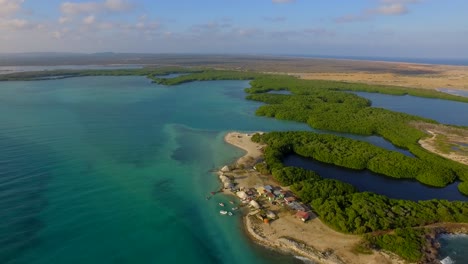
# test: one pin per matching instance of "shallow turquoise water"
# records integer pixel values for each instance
(116, 170)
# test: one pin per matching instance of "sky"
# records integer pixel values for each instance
(380, 28)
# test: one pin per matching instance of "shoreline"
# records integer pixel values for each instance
(312, 239)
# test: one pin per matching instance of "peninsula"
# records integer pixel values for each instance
(312, 238)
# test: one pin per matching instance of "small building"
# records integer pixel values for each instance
(268, 188)
(224, 179)
(254, 204)
(278, 193)
(225, 169)
(289, 200)
(304, 216)
(271, 197)
(271, 215)
(242, 195)
(260, 190)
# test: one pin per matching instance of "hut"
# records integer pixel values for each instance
(260, 190)
(290, 199)
(254, 204)
(268, 188)
(242, 195)
(304, 216)
(271, 215)
(224, 179)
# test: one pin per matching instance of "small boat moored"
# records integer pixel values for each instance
(223, 212)
(221, 204)
(230, 214)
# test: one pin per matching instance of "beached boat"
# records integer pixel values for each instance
(221, 204)
(223, 212)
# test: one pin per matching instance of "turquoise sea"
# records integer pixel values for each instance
(116, 170)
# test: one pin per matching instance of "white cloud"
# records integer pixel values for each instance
(72, 8)
(118, 5)
(69, 8)
(10, 7)
(64, 20)
(89, 20)
(385, 7)
(15, 24)
(390, 9)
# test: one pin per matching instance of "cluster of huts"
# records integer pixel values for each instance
(276, 196)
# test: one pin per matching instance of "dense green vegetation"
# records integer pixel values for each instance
(405, 242)
(208, 75)
(345, 209)
(151, 73)
(338, 203)
(353, 154)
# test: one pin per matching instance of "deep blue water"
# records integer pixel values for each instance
(443, 111)
(372, 182)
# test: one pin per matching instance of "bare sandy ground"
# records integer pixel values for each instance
(448, 142)
(314, 234)
(431, 77)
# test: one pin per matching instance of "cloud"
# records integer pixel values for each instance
(118, 5)
(15, 24)
(64, 20)
(10, 7)
(319, 32)
(283, 1)
(71, 8)
(385, 8)
(275, 19)
(352, 18)
(89, 20)
(390, 9)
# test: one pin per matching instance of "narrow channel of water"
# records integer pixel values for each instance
(366, 180)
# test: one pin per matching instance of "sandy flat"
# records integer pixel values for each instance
(452, 137)
(434, 77)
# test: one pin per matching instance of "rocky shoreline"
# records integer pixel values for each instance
(289, 245)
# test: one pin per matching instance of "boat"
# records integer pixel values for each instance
(223, 212)
(235, 208)
(221, 204)
(230, 214)
(232, 202)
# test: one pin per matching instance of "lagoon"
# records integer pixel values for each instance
(442, 111)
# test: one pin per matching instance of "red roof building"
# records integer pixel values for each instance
(304, 216)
